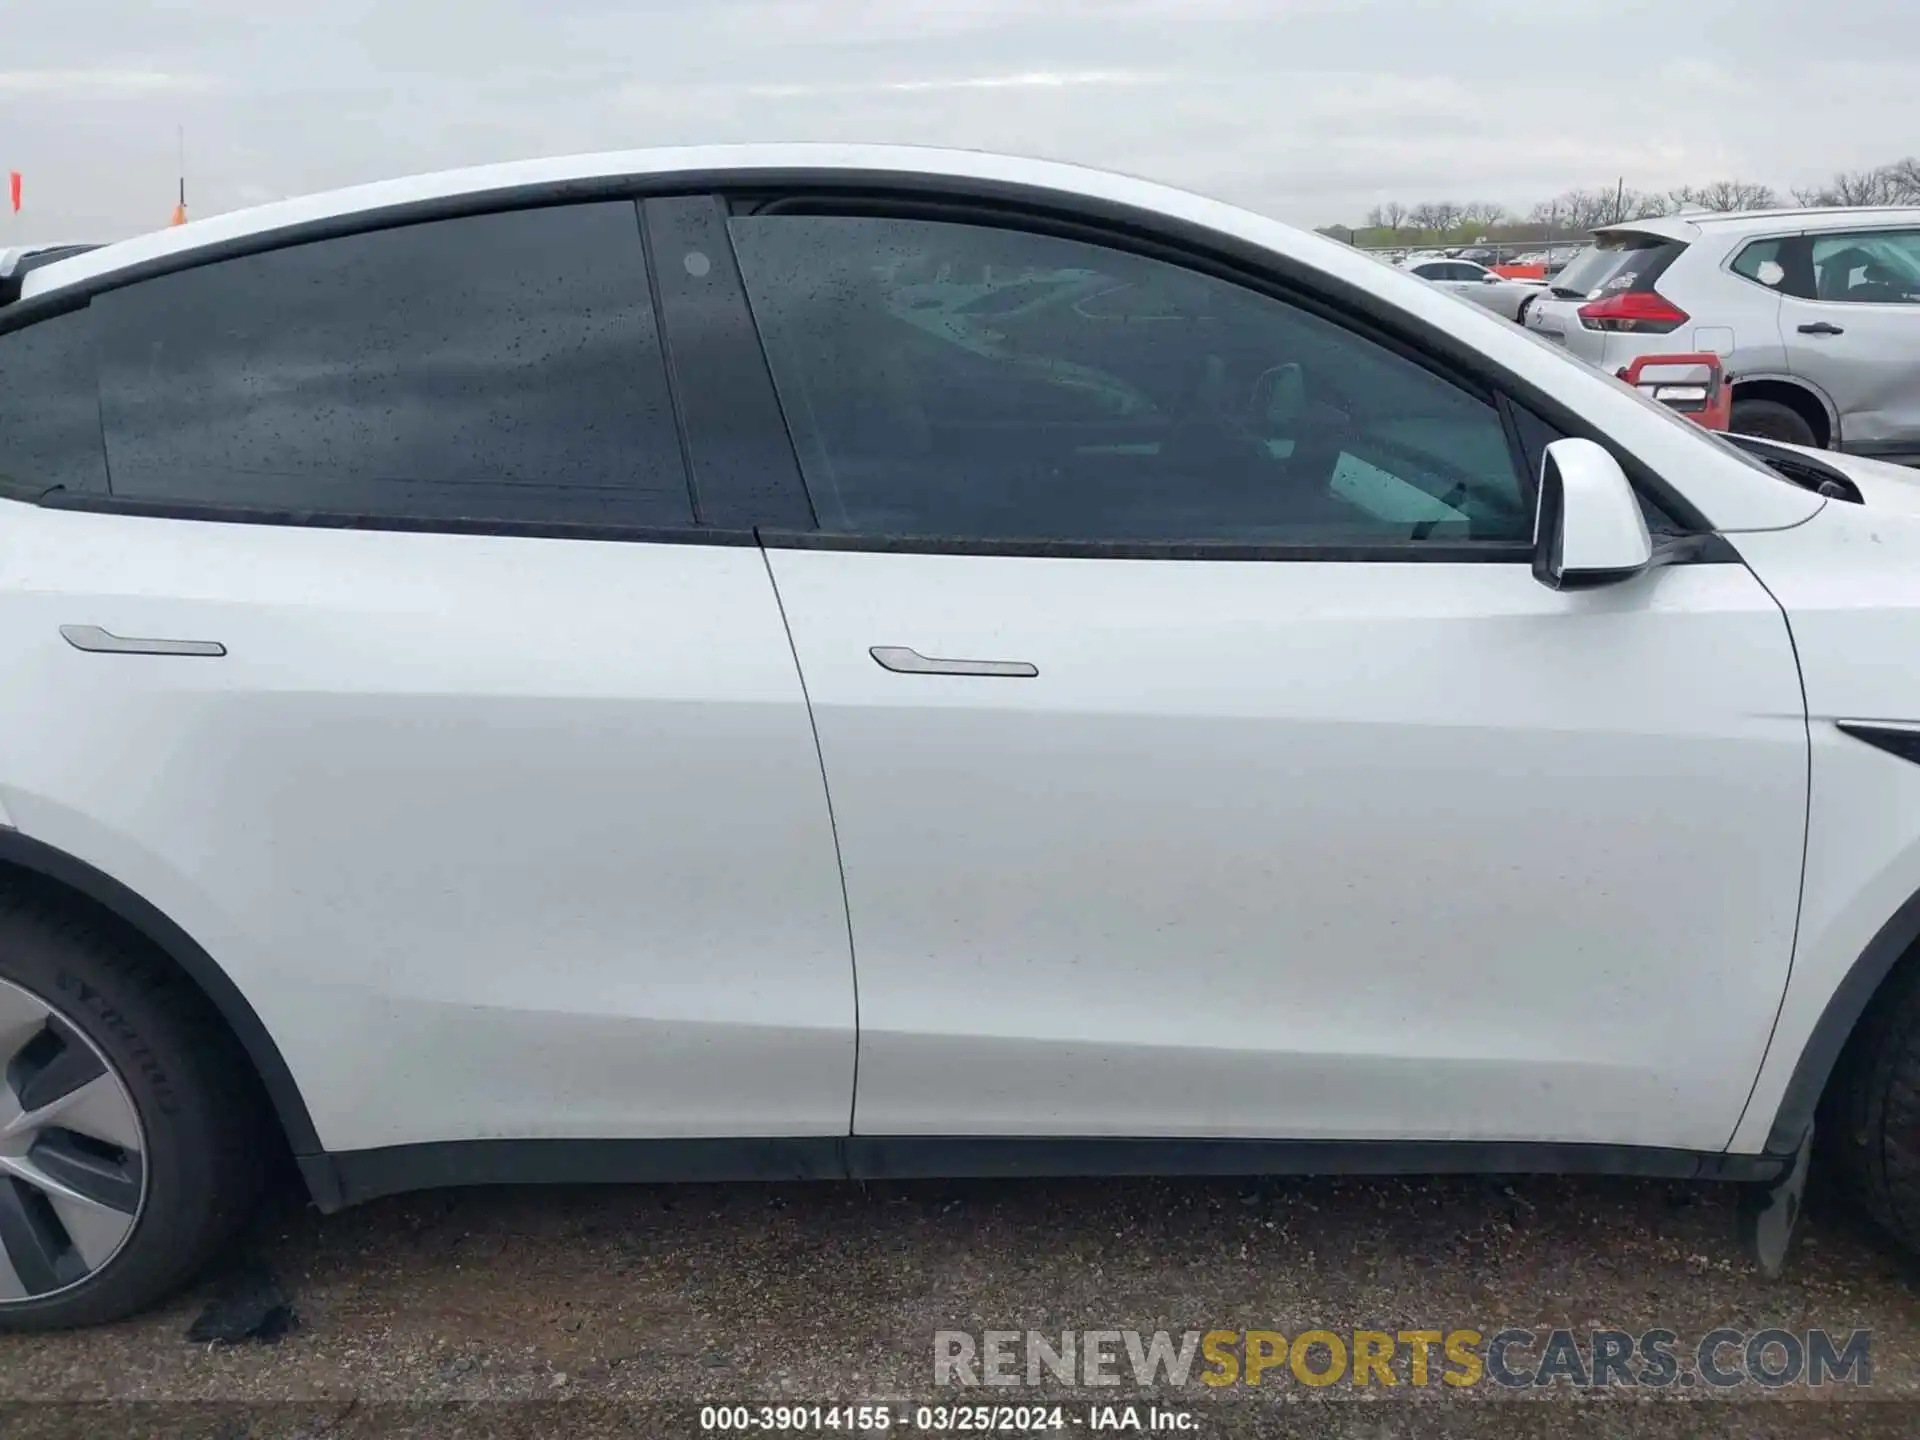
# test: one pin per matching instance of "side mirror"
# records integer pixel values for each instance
(1490, 278)
(1588, 529)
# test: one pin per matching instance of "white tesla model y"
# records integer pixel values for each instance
(821, 661)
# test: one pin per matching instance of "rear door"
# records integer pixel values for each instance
(386, 650)
(1851, 324)
(1206, 760)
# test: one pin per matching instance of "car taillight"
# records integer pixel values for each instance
(1638, 312)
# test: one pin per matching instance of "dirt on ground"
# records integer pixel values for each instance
(654, 1309)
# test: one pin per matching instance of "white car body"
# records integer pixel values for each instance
(493, 844)
(1510, 299)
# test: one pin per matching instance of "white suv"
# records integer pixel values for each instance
(837, 661)
(1817, 313)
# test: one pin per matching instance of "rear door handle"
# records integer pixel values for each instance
(903, 661)
(1821, 327)
(104, 642)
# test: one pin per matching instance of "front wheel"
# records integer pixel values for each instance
(130, 1134)
(1872, 1111)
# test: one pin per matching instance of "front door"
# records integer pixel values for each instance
(1205, 760)
(1855, 333)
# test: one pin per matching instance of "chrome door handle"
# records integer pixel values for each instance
(903, 661)
(103, 642)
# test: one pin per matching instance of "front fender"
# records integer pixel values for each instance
(1849, 581)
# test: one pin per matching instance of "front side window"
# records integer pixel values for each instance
(495, 367)
(1868, 267)
(957, 380)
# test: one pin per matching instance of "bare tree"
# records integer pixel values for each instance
(1389, 216)
(1573, 211)
(1904, 178)
(1637, 204)
(1579, 209)
(1884, 186)
(1725, 196)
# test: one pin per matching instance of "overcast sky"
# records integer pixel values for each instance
(1311, 110)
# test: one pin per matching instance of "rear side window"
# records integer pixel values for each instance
(967, 381)
(1618, 261)
(49, 414)
(1868, 267)
(497, 367)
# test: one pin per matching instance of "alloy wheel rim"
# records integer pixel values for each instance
(72, 1152)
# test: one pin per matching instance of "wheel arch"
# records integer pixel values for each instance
(1896, 944)
(1797, 394)
(56, 868)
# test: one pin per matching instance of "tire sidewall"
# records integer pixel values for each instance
(1770, 420)
(102, 1004)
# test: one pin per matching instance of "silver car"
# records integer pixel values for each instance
(1474, 281)
(1816, 313)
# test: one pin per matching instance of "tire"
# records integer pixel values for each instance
(162, 1155)
(1872, 1112)
(1770, 420)
(1520, 315)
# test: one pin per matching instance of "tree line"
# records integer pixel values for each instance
(1577, 211)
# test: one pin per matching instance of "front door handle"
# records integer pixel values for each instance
(104, 642)
(1821, 327)
(903, 661)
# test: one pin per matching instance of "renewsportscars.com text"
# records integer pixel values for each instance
(1459, 1358)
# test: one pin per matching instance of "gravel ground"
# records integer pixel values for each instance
(619, 1311)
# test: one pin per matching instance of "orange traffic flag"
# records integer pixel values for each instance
(179, 215)
(13, 188)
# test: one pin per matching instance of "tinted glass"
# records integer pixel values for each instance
(1868, 267)
(1623, 261)
(1761, 263)
(961, 380)
(498, 367)
(49, 412)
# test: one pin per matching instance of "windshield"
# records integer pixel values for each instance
(1617, 261)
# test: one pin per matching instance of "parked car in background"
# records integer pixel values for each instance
(1473, 281)
(1816, 313)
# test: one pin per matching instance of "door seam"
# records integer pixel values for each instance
(833, 825)
(1806, 842)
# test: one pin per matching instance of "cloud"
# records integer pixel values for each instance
(1029, 80)
(67, 85)
(1312, 110)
